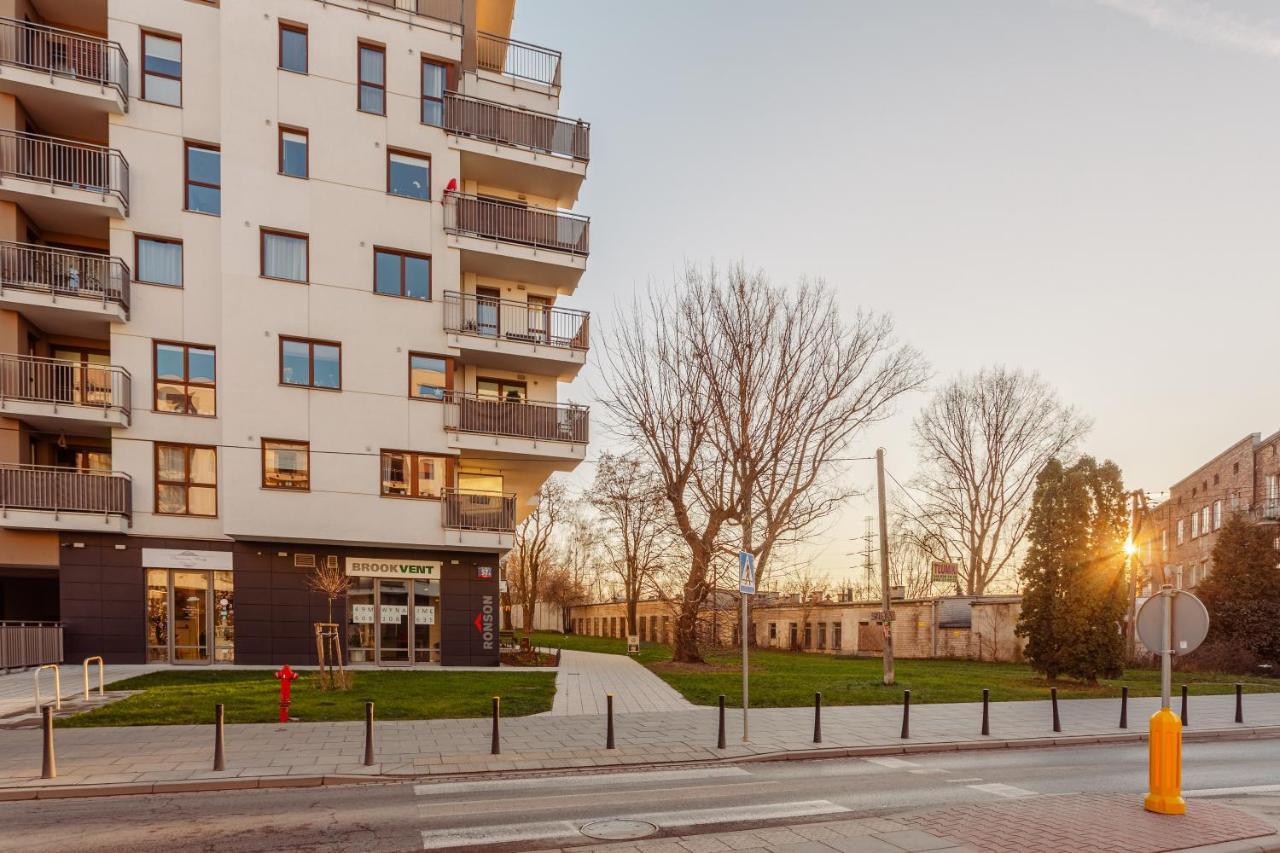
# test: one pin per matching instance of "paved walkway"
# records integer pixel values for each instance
(17, 689)
(585, 678)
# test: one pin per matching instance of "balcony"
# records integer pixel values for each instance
(37, 497)
(517, 60)
(474, 519)
(63, 184)
(62, 290)
(517, 429)
(53, 394)
(505, 239)
(520, 336)
(55, 71)
(449, 11)
(1266, 510)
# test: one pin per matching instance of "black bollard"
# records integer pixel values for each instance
(496, 748)
(817, 718)
(219, 760)
(1239, 702)
(368, 734)
(1124, 707)
(49, 766)
(1053, 695)
(1184, 707)
(906, 713)
(608, 740)
(720, 738)
(986, 718)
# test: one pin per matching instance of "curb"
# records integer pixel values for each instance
(63, 792)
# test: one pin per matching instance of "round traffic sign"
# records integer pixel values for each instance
(1190, 623)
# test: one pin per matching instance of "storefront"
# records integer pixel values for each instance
(190, 606)
(391, 611)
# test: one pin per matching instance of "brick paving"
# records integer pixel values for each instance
(585, 678)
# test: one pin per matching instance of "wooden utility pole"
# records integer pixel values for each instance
(884, 571)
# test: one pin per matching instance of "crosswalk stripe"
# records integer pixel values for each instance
(589, 780)
(734, 814)
(888, 761)
(1002, 790)
(439, 839)
(1226, 792)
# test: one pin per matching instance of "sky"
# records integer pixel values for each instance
(1088, 189)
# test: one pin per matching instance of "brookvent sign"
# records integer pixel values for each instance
(364, 567)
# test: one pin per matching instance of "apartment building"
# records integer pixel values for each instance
(285, 286)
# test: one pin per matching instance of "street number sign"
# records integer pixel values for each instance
(1190, 623)
(746, 573)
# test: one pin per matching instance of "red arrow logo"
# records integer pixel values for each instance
(479, 622)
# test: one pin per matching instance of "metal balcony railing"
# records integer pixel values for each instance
(65, 53)
(34, 379)
(494, 122)
(449, 11)
(49, 489)
(493, 512)
(64, 272)
(512, 320)
(512, 222)
(515, 418)
(27, 643)
(517, 59)
(65, 163)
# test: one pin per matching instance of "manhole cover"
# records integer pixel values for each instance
(618, 829)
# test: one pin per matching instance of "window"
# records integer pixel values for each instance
(311, 364)
(1195, 525)
(1215, 479)
(204, 179)
(837, 635)
(501, 389)
(1164, 540)
(286, 465)
(293, 47)
(284, 256)
(1204, 520)
(401, 274)
(373, 79)
(434, 78)
(1217, 514)
(409, 175)
(430, 376)
(1181, 531)
(295, 160)
(1272, 488)
(186, 480)
(413, 475)
(162, 69)
(773, 633)
(158, 260)
(185, 379)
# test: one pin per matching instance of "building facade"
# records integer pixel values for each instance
(282, 291)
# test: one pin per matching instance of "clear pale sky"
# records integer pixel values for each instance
(1085, 188)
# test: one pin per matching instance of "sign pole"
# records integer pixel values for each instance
(746, 587)
(885, 596)
(743, 634)
(1165, 740)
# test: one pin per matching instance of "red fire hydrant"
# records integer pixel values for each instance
(286, 677)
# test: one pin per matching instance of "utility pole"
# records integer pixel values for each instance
(884, 570)
(866, 554)
(1136, 520)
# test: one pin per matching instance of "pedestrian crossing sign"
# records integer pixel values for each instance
(746, 573)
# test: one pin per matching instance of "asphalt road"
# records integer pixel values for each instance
(544, 813)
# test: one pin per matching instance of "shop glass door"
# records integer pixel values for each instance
(157, 616)
(393, 622)
(426, 605)
(190, 623)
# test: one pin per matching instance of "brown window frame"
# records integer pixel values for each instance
(294, 28)
(414, 457)
(362, 45)
(185, 483)
(311, 363)
(306, 445)
(262, 254)
(402, 254)
(142, 53)
(186, 381)
(187, 181)
(501, 382)
(448, 376)
(306, 164)
(405, 152)
(137, 266)
(449, 83)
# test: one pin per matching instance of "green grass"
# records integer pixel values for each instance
(789, 679)
(252, 696)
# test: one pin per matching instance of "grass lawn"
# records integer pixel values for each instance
(182, 697)
(789, 679)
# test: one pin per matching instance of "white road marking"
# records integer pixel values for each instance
(1002, 790)
(436, 839)
(964, 779)
(929, 771)
(1226, 792)
(887, 761)
(732, 814)
(588, 780)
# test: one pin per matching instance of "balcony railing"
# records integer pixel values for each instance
(449, 11)
(515, 418)
(493, 512)
(517, 59)
(65, 383)
(1267, 509)
(493, 122)
(512, 320)
(511, 222)
(43, 488)
(65, 163)
(65, 54)
(64, 272)
(24, 644)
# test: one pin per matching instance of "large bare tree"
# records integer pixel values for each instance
(533, 553)
(628, 498)
(982, 439)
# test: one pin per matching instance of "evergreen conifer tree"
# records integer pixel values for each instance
(1242, 592)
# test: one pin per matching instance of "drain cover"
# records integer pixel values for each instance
(618, 829)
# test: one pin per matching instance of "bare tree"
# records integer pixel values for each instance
(533, 551)
(982, 439)
(809, 588)
(910, 562)
(562, 589)
(628, 498)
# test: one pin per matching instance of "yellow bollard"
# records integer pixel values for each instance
(1165, 796)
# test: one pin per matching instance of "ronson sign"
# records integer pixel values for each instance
(364, 567)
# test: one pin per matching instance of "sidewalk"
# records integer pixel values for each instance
(305, 753)
(585, 678)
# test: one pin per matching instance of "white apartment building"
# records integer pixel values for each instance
(282, 288)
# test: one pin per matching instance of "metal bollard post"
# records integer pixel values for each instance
(720, 738)
(49, 766)
(986, 717)
(1124, 707)
(368, 734)
(1184, 707)
(219, 759)
(608, 741)
(1057, 723)
(1239, 702)
(906, 713)
(496, 747)
(817, 718)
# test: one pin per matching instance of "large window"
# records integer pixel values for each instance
(284, 255)
(430, 376)
(186, 480)
(373, 79)
(413, 475)
(434, 77)
(204, 179)
(162, 69)
(409, 175)
(157, 260)
(293, 47)
(294, 151)
(286, 465)
(185, 380)
(311, 364)
(502, 389)
(401, 274)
